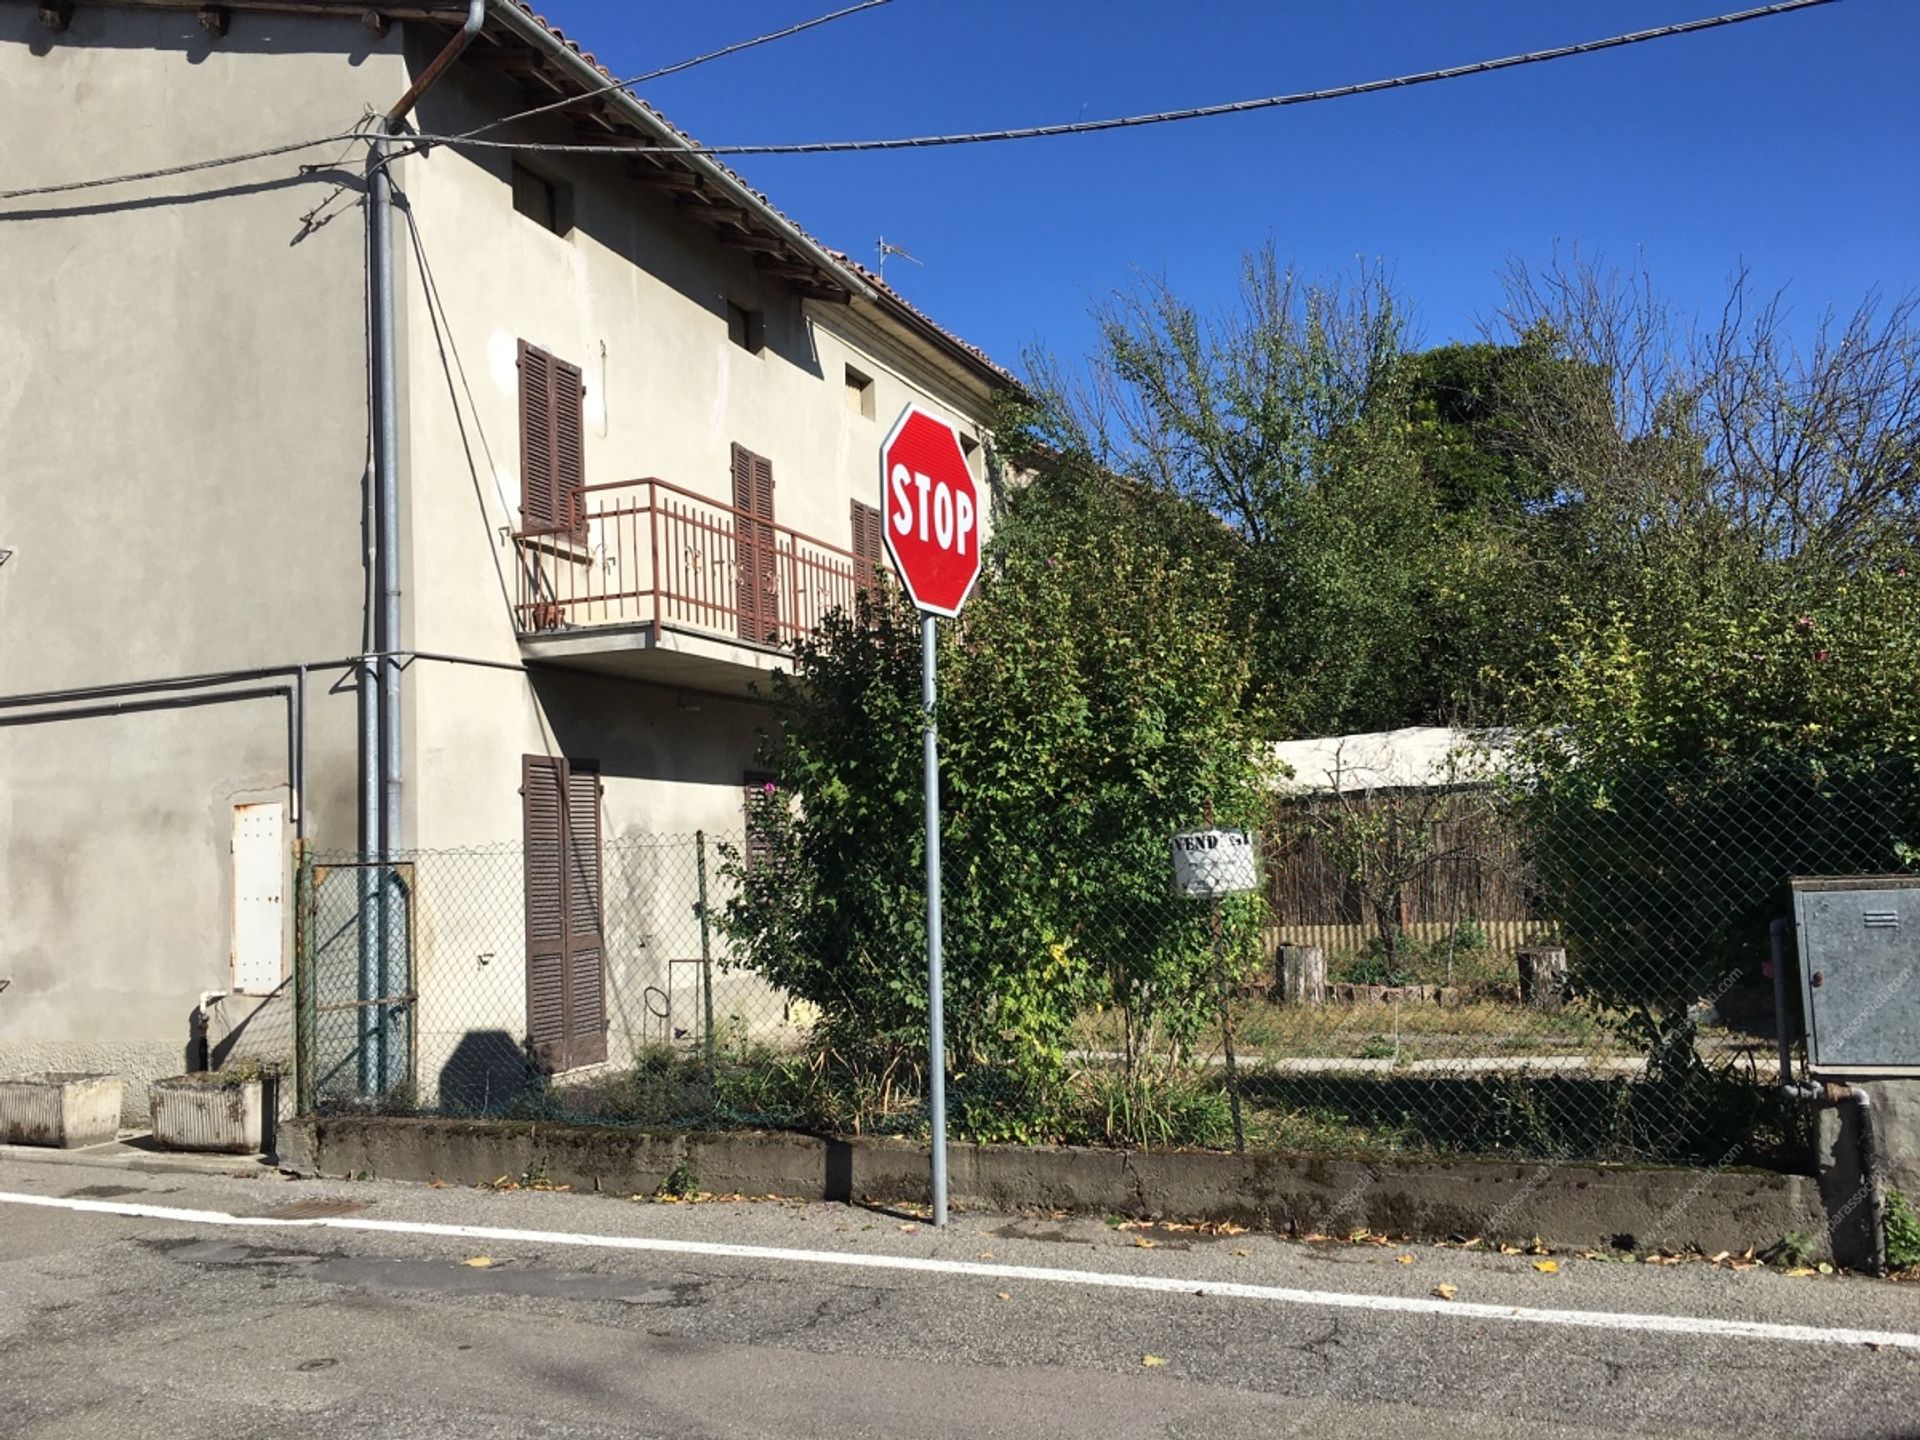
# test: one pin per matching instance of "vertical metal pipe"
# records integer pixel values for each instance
(1777, 945)
(300, 752)
(936, 1019)
(706, 950)
(387, 631)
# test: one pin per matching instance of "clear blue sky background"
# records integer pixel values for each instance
(1792, 144)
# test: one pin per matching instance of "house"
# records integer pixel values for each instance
(363, 499)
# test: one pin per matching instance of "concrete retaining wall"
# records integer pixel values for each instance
(1567, 1205)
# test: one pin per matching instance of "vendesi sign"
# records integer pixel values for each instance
(1213, 862)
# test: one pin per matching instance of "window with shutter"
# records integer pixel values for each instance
(867, 544)
(761, 794)
(755, 553)
(552, 444)
(566, 950)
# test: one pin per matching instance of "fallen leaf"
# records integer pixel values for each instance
(1591, 1255)
(1537, 1246)
(1800, 1270)
(1358, 1234)
(986, 1254)
(1404, 1259)
(1824, 1268)
(1151, 1360)
(1547, 1267)
(1002, 1295)
(1509, 1249)
(1723, 1255)
(436, 1184)
(1144, 1243)
(478, 1262)
(908, 1229)
(1446, 1292)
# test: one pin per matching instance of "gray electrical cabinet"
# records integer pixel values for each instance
(1859, 941)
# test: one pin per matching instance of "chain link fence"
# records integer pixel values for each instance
(1576, 970)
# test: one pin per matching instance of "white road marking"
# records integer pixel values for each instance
(1692, 1325)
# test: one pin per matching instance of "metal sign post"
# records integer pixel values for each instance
(936, 1019)
(1206, 865)
(933, 511)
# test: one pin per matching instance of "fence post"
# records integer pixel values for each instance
(706, 947)
(303, 990)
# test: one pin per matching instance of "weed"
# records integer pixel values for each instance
(681, 1184)
(1903, 1232)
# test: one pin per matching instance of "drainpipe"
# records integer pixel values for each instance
(379, 1065)
(1777, 944)
(1833, 1094)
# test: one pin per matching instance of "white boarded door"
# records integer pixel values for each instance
(259, 893)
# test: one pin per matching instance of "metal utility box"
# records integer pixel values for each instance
(1859, 941)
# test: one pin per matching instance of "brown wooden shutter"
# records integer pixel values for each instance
(756, 554)
(758, 850)
(543, 811)
(552, 443)
(867, 544)
(569, 447)
(539, 492)
(586, 945)
(566, 948)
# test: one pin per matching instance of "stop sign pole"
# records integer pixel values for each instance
(932, 524)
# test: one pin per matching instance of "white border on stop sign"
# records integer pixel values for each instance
(913, 408)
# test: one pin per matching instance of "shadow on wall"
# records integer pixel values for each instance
(486, 1072)
(641, 732)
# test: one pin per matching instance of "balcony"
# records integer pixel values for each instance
(656, 582)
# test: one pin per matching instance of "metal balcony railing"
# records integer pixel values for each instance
(647, 552)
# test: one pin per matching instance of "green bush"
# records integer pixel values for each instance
(1903, 1233)
(1091, 704)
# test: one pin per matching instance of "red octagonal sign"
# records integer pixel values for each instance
(932, 511)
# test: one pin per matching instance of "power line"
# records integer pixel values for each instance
(978, 137)
(1161, 117)
(288, 149)
(677, 66)
(295, 146)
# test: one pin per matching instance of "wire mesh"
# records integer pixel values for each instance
(1575, 970)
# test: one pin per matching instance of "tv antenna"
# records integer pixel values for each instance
(882, 249)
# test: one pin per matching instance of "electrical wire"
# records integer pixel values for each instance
(1161, 117)
(677, 66)
(979, 137)
(187, 169)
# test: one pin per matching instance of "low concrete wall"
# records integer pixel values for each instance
(1568, 1205)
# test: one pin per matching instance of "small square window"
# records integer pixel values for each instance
(548, 203)
(746, 328)
(859, 393)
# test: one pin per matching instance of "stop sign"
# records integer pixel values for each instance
(931, 510)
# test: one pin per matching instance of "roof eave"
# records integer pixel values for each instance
(528, 28)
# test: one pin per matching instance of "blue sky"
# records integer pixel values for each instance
(1791, 144)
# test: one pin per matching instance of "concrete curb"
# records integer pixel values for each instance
(1568, 1205)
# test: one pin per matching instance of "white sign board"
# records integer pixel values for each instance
(1213, 862)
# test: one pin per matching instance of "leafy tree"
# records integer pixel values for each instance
(1093, 700)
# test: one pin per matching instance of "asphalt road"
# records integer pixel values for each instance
(181, 1326)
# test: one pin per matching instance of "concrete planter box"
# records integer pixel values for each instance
(65, 1110)
(193, 1112)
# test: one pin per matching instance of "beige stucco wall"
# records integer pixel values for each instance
(182, 395)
